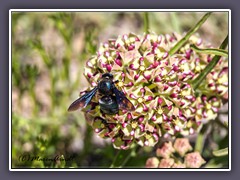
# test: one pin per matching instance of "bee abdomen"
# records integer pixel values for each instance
(108, 105)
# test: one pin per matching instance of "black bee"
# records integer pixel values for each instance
(111, 98)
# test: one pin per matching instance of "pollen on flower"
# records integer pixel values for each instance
(148, 136)
(208, 106)
(120, 84)
(134, 125)
(140, 100)
(220, 81)
(159, 111)
(198, 68)
(142, 68)
(158, 85)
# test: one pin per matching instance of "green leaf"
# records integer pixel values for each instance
(219, 52)
(218, 162)
(213, 164)
(196, 82)
(221, 152)
(189, 34)
(62, 162)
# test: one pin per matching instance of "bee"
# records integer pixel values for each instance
(111, 98)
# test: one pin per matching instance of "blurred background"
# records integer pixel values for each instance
(49, 51)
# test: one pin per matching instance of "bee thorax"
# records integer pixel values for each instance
(105, 87)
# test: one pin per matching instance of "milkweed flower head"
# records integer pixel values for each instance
(178, 154)
(158, 85)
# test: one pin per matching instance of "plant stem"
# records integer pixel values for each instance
(189, 34)
(175, 22)
(128, 157)
(201, 137)
(146, 22)
(133, 153)
(115, 159)
(196, 82)
(123, 157)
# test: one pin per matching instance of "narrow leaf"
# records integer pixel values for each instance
(221, 152)
(196, 82)
(189, 34)
(219, 52)
(213, 164)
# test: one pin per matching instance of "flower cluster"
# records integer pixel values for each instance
(176, 156)
(158, 85)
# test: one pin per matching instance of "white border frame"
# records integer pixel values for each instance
(115, 10)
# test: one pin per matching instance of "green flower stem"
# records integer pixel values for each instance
(146, 22)
(196, 82)
(115, 159)
(202, 136)
(125, 160)
(132, 154)
(189, 34)
(122, 157)
(218, 52)
(199, 142)
(87, 145)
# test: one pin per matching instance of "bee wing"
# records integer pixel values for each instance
(122, 101)
(83, 101)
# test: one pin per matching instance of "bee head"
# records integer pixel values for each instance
(107, 76)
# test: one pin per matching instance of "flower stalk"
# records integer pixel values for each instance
(146, 22)
(189, 34)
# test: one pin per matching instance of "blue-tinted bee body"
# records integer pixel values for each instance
(111, 98)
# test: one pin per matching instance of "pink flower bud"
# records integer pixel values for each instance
(131, 47)
(109, 67)
(160, 100)
(118, 62)
(136, 77)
